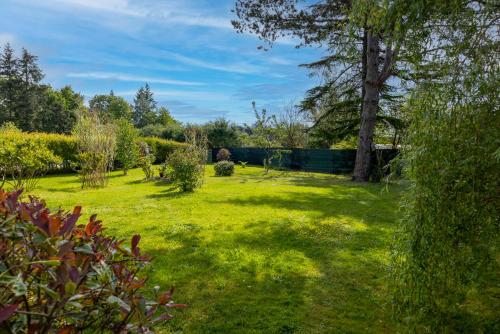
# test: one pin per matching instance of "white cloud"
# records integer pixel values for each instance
(171, 12)
(116, 6)
(130, 78)
(184, 94)
(193, 20)
(242, 68)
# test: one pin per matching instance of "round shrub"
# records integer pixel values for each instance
(57, 276)
(224, 168)
(223, 155)
(187, 167)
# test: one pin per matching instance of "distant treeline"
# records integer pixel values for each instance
(32, 105)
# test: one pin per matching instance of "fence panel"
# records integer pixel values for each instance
(306, 159)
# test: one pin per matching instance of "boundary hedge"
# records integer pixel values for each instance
(65, 147)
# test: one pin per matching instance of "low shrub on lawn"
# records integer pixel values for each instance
(146, 159)
(224, 168)
(223, 155)
(57, 276)
(186, 167)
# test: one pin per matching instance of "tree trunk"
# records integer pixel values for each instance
(369, 114)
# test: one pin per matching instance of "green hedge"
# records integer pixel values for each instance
(62, 146)
(65, 146)
(161, 147)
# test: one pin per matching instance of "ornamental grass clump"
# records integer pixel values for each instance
(96, 150)
(58, 276)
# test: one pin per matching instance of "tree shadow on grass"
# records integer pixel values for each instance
(368, 205)
(277, 277)
(170, 192)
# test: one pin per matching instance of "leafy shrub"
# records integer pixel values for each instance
(127, 152)
(223, 155)
(224, 168)
(23, 160)
(165, 171)
(187, 167)
(146, 159)
(9, 127)
(57, 276)
(243, 163)
(96, 147)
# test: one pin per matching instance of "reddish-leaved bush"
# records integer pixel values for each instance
(223, 155)
(60, 277)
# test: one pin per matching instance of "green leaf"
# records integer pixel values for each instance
(54, 295)
(113, 300)
(85, 249)
(19, 288)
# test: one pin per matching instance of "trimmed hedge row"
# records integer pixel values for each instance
(161, 147)
(65, 146)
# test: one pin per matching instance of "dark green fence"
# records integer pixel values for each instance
(311, 160)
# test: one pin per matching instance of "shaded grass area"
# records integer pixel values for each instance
(252, 253)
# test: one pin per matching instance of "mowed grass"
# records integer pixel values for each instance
(287, 252)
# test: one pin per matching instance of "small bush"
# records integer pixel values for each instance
(187, 168)
(224, 168)
(223, 155)
(243, 163)
(146, 159)
(127, 152)
(60, 277)
(165, 172)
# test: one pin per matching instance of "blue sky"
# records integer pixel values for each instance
(187, 50)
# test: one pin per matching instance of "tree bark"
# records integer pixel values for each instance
(371, 97)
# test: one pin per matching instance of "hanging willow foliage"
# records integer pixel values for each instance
(445, 263)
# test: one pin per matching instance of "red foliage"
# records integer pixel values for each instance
(56, 275)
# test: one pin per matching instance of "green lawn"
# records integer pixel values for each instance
(253, 253)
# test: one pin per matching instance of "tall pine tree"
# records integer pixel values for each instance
(9, 84)
(145, 112)
(31, 94)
